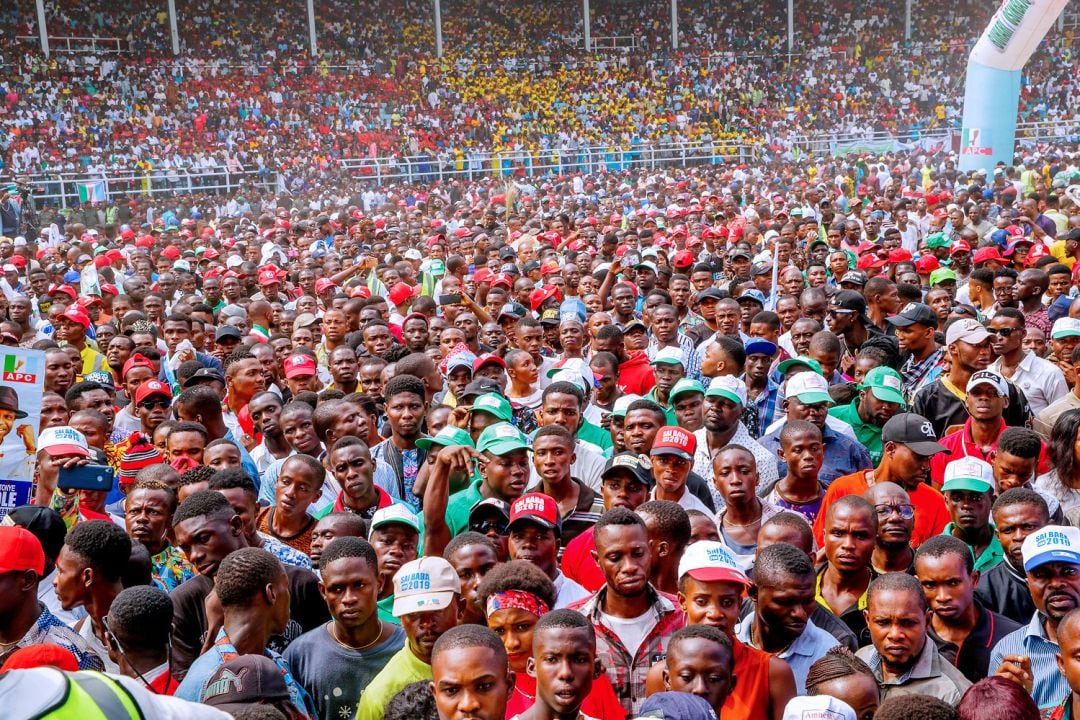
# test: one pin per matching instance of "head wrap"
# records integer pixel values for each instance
(519, 599)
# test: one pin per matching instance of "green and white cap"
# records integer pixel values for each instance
(622, 404)
(501, 439)
(667, 356)
(809, 388)
(493, 404)
(684, 386)
(969, 473)
(886, 385)
(449, 435)
(728, 386)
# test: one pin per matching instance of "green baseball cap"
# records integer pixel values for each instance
(938, 240)
(437, 268)
(449, 435)
(886, 385)
(493, 404)
(800, 360)
(684, 386)
(942, 275)
(502, 439)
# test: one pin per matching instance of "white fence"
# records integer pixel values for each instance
(80, 44)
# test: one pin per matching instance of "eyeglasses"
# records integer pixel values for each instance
(487, 526)
(151, 404)
(905, 511)
(1003, 332)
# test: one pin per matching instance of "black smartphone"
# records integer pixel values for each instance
(86, 477)
(450, 299)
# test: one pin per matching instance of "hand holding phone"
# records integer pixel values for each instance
(86, 477)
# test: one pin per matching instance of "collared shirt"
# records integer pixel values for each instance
(766, 462)
(627, 673)
(1041, 380)
(811, 645)
(1044, 421)
(867, 433)
(843, 456)
(49, 630)
(930, 675)
(691, 360)
(1050, 684)
(991, 556)
(851, 616)
(919, 374)
(760, 412)
(972, 655)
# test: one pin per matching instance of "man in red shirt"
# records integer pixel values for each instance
(908, 442)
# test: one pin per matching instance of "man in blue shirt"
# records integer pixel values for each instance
(1052, 564)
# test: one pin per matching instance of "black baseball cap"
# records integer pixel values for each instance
(227, 331)
(914, 431)
(710, 293)
(480, 386)
(629, 463)
(487, 508)
(43, 523)
(914, 313)
(848, 300)
(204, 375)
(855, 277)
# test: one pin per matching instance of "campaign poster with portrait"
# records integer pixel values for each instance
(22, 383)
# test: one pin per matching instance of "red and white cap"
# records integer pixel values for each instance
(674, 440)
(536, 508)
(63, 440)
(298, 365)
(152, 387)
(711, 561)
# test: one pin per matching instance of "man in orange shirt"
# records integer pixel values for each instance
(908, 443)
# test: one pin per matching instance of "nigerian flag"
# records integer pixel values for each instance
(91, 191)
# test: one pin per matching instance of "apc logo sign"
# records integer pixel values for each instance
(21, 370)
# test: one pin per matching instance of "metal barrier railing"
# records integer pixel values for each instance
(60, 43)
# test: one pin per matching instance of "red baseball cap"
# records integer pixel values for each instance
(41, 655)
(65, 289)
(550, 268)
(542, 294)
(987, 254)
(20, 550)
(673, 440)
(487, 359)
(135, 361)
(483, 275)
(503, 280)
(683, 259)
(400, 293)
(899, 255)
(76, 314)
(926, 264)
(108, 289)
(536, 508)
(959, 246)
(267, 277)
(152, 387)
(870, 261)
(172, 252)
(324, 284)
(299, 365)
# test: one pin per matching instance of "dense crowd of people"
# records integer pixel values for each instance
(514, 82)
(783, 440)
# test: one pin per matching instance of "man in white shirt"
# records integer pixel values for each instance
(672, 457)
(1043, 382)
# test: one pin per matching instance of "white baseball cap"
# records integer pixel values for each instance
(969, 473)
(728, 386)
(968, 329)
(810, 388)
(427, 584)
(711, 561)
(667, 356)
(818, 707)
(989, 377)
(1065, 327)
(623, 404)
(1052, 543)
(63, 440)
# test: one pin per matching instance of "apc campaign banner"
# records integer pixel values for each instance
(23, 383)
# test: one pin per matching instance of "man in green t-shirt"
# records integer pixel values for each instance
(427, 601)
(880, 397)
(504, 473)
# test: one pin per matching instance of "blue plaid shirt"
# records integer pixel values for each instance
(760, 412)
(691, 360)
(50, 630)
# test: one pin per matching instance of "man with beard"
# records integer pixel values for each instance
(1028, 655)
(880, 397)
(633, 621)
(908, 443)
(1017, 513)
(903, 659)
(896, 520)
(962, 628)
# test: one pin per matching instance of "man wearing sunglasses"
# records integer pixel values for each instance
(1043, 382)
(152, 402)
(847, 318)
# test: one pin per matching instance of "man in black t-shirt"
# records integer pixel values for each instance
(942, 401)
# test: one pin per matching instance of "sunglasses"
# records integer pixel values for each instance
(151, 404)
(1003, 332)
(500, 527)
